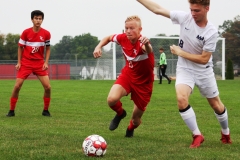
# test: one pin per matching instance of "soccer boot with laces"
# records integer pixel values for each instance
(11, 113)
(197, 140)
(116, 120)
(129, 133)
(46, 113)
(226, 139)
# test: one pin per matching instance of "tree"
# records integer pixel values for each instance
(229, 72)
(9, 47)
(230, 30)
(81, 45)
(62, 48)
(2, 40)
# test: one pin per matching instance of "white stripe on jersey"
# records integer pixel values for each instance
(138, 58)
(135, 59)
(32, 44)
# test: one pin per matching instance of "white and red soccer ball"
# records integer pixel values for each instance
(94, 145)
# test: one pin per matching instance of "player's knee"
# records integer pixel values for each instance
(47, 88)
(182, 101)
(111, 100)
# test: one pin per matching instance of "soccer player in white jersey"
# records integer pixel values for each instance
(197, 41)
(33, 43)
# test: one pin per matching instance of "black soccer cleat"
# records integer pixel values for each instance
(11, 113)
(129, 133)
(169, 81)
(116, 120)
(46, 113)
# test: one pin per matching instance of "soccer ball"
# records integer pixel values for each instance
(94, 145)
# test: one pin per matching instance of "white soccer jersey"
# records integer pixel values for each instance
(194, 39)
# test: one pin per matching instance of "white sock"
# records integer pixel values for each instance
(223, 120)
(189, 118)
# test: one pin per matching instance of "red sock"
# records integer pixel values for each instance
(132, 126)
(117, 108)
(13, 102)
(46, 102)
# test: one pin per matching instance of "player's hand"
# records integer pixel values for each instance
(144, 40)
(18, 65)
(97, 52)
(175, 50)
(45, 66)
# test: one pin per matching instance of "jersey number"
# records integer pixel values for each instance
(35, 49)
(181, 43)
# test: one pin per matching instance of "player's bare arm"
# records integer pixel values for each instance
(45, 65)
(146, 45)
(155, 8)
(201, 59)
(98, 49)
(20, 50)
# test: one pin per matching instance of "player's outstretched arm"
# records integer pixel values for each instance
(98, 49)
(155, 8)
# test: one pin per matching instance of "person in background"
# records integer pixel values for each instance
(163, 66)
(33, 43)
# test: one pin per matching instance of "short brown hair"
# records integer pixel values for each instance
(134, 17)
(202, 2)
(161, 49)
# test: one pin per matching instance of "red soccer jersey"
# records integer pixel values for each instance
(139, 64)
(34, 43)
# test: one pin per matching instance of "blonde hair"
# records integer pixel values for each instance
(202, 2)
(134, 17)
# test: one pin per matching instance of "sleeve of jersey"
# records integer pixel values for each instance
(47, 42)
(178, 17)
(22, 41)
(210, 43)
(117, 38)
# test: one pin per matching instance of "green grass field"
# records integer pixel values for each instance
(79, 109)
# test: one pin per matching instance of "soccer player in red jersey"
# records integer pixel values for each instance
(135, 78)
(33, 43)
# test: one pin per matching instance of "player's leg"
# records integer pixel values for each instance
(113, 100)
(184, 85)
(141, 95)
(164, 73)
(160, 74)
(47, 94)
(222, 117)
(187, 113)
(135, 121)
(14, 96)
(209, 90)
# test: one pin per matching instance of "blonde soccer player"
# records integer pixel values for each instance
(136, 77)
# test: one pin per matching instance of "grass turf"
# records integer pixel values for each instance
(79, 109)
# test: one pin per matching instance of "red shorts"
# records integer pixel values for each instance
(140, 94)
(29, 66)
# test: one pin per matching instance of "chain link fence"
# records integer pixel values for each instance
(103, 68)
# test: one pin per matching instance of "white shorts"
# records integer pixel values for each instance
(205, 81)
